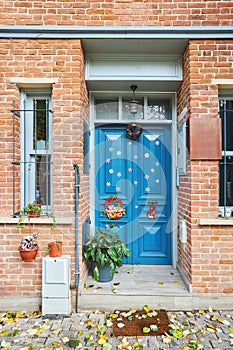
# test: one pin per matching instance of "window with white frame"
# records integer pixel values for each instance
(36, 148)
(226, 163)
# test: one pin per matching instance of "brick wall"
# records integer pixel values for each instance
(117, 13)
(206, 259)
(63, 61)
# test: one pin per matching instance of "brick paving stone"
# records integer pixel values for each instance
(152, 343)
(70, 326)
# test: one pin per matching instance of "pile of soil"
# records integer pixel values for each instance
(132, 324)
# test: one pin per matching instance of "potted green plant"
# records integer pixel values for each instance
(31, 210)
(28, 248)
(105, 251)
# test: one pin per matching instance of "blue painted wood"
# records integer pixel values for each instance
(139, 172)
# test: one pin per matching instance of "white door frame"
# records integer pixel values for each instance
(174, 174)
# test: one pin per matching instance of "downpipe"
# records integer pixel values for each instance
(76, 192)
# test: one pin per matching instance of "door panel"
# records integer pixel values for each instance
(138, 171)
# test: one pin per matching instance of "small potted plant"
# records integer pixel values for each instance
(31, 210)
(105, 251)
(28, 248)
(54, 249)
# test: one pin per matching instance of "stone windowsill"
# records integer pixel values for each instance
(215, 222)
(42, 220)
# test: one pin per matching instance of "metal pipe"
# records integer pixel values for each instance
(76, 169)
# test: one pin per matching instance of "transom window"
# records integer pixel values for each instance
(150, 107)
(226, 164)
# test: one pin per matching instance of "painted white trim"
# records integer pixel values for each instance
(182, 114)
(216, 222)
(227, 83)
(125, 67)
(27, 182)
(173, 183)
(92, 165)
(33, 82)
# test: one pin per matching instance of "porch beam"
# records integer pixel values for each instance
(124, 32)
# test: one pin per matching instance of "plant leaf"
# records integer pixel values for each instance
(96, 274)
(146, 330)
(146, 308)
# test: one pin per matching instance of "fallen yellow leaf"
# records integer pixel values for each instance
(57, 331)
(133, 311)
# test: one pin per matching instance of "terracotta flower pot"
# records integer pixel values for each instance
(35, 214)
(28, 255)
(55, 249)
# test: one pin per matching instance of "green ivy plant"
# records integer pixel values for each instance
(105, 248)
(33, 208)
(27, 210)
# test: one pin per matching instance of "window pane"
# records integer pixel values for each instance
(125, 109)
(40, 124)
(157, 109)
(43, 180)
(226, 114)
(226, 182)
(106, 108)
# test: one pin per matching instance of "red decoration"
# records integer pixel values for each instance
(151, 214)
(113, 208)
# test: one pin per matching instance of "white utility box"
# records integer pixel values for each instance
(56, 286)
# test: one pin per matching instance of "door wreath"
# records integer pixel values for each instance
(133, 130)
(113, 208)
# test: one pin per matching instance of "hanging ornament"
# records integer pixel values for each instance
(113, 208)
(151, 214)
(133, 130)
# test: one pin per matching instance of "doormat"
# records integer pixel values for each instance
(140, 322)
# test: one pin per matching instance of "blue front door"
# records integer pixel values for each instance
(136, 172)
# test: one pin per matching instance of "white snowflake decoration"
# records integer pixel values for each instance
(108, 184)
(157, 181)
(147, 155)
(147, 189)
(130, 170)
(119, 153)
(119, 174)
(118, 189)
(111, 171)
(147, 177)
(152, 170)
(135, 182)
(110, 149)
(108, 160)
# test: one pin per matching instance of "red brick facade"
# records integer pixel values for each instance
(117, 13)
(206, 260)
(62, 61)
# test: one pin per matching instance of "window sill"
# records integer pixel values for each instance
(43, 220)
(215, 222)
